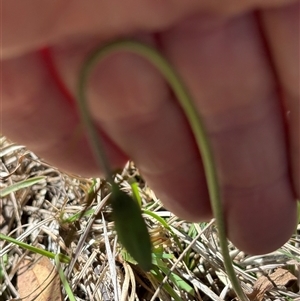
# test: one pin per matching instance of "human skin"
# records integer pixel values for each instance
(240, 61)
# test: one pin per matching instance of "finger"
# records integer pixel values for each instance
(282, 30)
(131, 102)
(228, 73)
(242, 113)
(27, 25)
(192, 208)
(34, 112)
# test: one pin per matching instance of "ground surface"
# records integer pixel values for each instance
(47, 215)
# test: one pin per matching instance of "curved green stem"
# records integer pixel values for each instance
(195, 122)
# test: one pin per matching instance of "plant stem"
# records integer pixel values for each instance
(194, 120)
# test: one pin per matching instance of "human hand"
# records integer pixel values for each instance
(242, 69)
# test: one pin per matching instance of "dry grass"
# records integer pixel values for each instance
(100, 270)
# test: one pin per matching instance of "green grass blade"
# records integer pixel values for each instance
(164, 224)
(159, 219)
(176, 279)
(63, 258)
(166, 286)
(135, 192)
(17, 186)
(64, 279)
(78, 215)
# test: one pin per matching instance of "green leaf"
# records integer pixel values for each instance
(131, 228)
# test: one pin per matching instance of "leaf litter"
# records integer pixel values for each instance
(186, 256)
